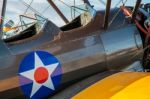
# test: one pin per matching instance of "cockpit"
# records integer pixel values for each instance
(33, 25)
(83, 19)
(25, 30)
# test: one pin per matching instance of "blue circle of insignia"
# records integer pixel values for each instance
(27, 80)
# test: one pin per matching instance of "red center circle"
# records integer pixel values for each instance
(41, 75)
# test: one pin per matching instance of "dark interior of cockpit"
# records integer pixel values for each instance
(29, 32)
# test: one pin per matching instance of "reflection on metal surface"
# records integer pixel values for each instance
(89, 41)
(121, 46)
(136, 67)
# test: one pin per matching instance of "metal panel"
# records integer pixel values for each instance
(122, 47)
(80, 57)
(4, 51)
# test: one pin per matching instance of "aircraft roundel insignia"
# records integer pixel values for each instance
(39, 74)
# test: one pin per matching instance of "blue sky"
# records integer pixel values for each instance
(15, 8)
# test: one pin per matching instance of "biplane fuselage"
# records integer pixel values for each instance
(83, 48)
